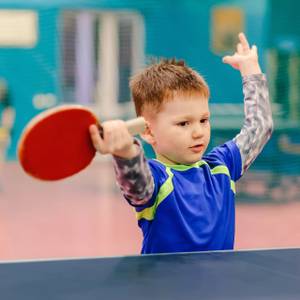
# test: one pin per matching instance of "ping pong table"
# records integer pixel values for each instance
(260, 274)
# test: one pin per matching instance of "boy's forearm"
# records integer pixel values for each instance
(258, 123)
(134, 177)
(248, 69)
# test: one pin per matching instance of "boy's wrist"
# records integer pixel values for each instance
(250, 69)
(129, 153)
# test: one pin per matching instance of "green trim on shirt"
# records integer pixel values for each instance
(164, 191)
(167, 187)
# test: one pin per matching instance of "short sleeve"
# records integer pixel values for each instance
(159, 176)
(227, 154)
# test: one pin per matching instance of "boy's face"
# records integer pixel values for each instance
(181, 130)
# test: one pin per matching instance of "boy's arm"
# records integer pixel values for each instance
(133, 173)
(258, 123)
(134, 177)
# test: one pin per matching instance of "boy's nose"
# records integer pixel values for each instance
(197, 131)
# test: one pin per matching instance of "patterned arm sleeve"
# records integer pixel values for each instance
(134, 178)
(258, 123)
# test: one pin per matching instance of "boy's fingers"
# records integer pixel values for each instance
(93, 129)
(231, 60)
(96, 139)
(228, 59)
(239, 48)
(244, 41)
(254, 48)
(225, 59)
(94, 135)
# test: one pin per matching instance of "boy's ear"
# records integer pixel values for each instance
(147, 135)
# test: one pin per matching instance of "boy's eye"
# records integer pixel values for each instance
(203, 121)
(183, 123)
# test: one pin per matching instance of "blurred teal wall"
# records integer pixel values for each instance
(31, 72)
(175, 28)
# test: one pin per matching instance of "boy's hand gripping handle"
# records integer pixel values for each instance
(134, 126)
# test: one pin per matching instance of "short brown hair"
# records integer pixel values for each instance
(158, 82)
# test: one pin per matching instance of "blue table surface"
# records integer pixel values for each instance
(259, 274)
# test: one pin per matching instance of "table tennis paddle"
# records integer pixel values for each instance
(56, 143)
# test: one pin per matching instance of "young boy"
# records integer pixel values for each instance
(184, 199)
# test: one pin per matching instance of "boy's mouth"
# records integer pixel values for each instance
(197, 148)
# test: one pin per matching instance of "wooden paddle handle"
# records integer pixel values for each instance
(136, 126)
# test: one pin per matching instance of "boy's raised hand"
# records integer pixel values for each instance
(116, 139)
(245, 58)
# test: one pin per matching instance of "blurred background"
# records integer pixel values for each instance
(84, 51)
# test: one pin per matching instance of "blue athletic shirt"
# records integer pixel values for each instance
(192, 207)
